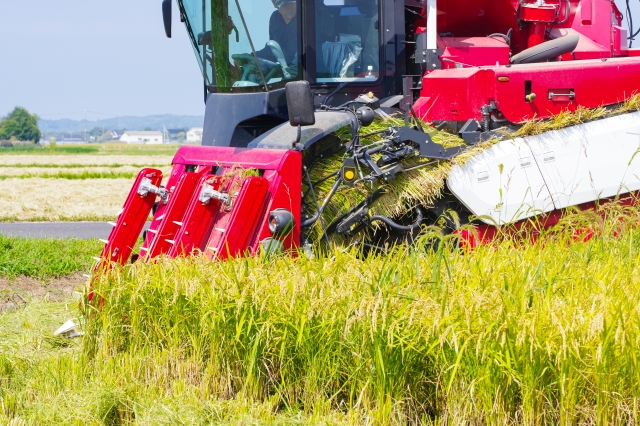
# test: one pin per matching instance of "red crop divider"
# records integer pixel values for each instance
(233, 230)
(172, 214)
(198, 219)
(176, 172)
(184, 224)
(132, 219)
(282, 169)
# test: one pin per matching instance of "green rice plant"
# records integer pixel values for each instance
(45, 258)
(21, 147)
(70, 149)
(520, 331)
(532, 333)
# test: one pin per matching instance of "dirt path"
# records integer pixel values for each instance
(15, 293)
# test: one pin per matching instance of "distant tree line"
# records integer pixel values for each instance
(20, 125)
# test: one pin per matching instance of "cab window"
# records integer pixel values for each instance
(347, 40)
(245, 45)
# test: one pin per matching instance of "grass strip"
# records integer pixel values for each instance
(98, 149)
(26, 149)
(86, 174)
(45, 258)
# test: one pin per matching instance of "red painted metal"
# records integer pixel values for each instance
(131, 220)
(474, 51)
(534, 13)
(459, 94)
(184, 224)
(198, 219)
(169, 218)
(283, 170)
(233, 229)
(454, 94)
(538, 17)
(175, 174)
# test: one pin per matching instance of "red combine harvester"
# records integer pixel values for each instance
(477, 67)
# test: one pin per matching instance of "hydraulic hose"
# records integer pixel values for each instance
(316, 216)
(397, 227)
(567, 13)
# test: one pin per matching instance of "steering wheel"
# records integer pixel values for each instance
(251, 69)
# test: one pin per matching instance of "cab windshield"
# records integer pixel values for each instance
(244, 45)
(254, 45)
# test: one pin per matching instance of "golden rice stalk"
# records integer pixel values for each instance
(562, 120)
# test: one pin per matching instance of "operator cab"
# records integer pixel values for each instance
(254, 47)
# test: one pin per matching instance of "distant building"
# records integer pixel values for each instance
(142, 137)
(195, 134)
(117, 134)
(70, 138)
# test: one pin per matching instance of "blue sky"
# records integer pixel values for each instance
(62, 57)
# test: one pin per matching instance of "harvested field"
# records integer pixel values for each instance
(62, 199)
(45, 186)
(89, 159)
(47, 171)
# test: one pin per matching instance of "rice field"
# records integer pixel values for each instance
(512, 333)
(55, 185)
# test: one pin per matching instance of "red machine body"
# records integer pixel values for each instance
(465, 51)
(476, 70)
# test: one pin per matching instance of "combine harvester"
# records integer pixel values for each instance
(478, 68)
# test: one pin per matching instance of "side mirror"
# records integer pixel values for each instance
(300, 103)
(166, 16)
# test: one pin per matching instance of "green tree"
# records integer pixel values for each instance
(96, 132)
(20, 124)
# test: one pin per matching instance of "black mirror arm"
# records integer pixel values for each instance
(339, 88)
(298, 136)
(166, 16)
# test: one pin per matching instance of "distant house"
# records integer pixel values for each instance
(70, 138)
(133, 137)
(117, 134)
(195, 134)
